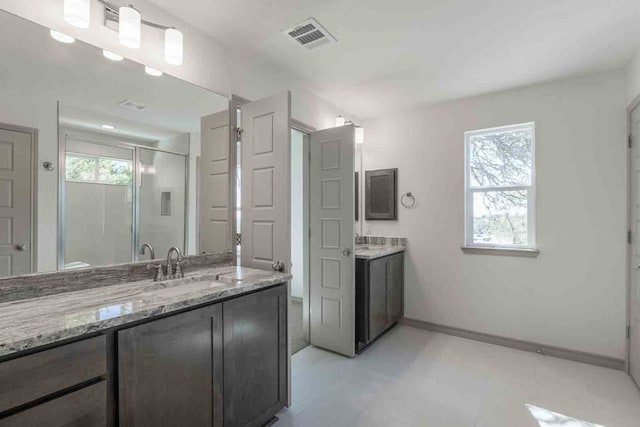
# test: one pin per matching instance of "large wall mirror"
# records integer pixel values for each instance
(100, 161)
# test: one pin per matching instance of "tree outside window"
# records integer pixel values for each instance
(499, 187)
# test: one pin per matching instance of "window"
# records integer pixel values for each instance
(98, 170)
(500, 187)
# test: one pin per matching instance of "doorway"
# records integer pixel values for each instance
(299, 314)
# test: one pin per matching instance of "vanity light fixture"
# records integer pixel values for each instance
(112, 56)
(129, 26)
(77, 13)
(173, 46)
(61, 37)
(152, 71)
(340, 121)
(359, 135)
(130, 29)
(108, 127)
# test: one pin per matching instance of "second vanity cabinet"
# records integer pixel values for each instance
(219, 365)
(379, 296)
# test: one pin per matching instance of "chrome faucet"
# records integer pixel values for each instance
(178, 271)
(159, 276)
(152, 253)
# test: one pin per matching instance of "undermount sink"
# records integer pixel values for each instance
(169, 283)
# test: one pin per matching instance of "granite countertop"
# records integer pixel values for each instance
(367, 251)
(34, 322)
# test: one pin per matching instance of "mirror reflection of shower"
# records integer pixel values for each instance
(120, 191)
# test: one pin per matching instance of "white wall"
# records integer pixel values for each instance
(573, 294)
(207, 62)
(633, 78)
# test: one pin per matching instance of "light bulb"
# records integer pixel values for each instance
(112, 56)
(173, 46)
(77, 13)
(130, 27)
(61, 37)
(152, 71)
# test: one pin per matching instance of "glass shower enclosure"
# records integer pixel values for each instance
(114, 198)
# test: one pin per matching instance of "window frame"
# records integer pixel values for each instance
(469, 191)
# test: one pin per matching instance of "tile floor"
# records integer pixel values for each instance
(298, 338)
(413, 377)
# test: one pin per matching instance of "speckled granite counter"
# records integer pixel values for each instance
(34, 322)
(377, 251)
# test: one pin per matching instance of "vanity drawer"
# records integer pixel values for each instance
(37, 375)
(86, 407)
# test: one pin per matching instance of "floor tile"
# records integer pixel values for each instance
(415, 378)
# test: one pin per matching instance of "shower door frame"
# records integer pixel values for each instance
(135, 148)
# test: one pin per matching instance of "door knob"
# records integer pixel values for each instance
(21, 247)
(278, 266)
(346, 252)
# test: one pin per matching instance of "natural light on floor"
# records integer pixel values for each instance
(548, 418)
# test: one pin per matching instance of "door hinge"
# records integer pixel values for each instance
(238, 239)
(238, 133)
(630, 142)
(629, 237)
(628, 332)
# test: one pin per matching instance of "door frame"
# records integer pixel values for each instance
(306, 130)
(33, 244)
(635, 104)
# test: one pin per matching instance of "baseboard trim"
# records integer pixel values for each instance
(548, 350)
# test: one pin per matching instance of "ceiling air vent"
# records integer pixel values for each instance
(310, 34)
(132, 105)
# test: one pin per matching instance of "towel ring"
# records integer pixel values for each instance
(407, 200)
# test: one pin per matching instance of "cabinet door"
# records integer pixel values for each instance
(255, 357)
(377, 297)
(395, 287)
(86, 407)
(170, 371)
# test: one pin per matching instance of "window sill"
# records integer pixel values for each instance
(481, 250)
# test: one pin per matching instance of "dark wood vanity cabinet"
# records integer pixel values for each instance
(255, 358)
(379, 296)
(221, 365)
(170, 371)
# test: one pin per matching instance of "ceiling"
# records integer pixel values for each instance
(395, 54)
(90, 88)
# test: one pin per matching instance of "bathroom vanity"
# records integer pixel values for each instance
(207, 350)
(379, 291)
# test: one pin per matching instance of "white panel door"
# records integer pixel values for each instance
(634, 295)
(15, 202)
(215, 234)
(266, 166)
(332, 216)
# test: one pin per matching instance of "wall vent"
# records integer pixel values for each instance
(310, 34)
(132, 105)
